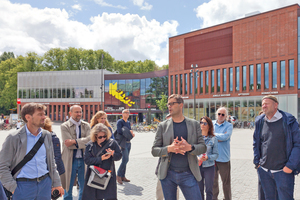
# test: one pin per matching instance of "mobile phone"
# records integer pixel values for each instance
(108, 153)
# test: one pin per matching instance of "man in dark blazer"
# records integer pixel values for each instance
(178, 141)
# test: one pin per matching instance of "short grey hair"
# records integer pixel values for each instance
(222, 108)
(125, 110)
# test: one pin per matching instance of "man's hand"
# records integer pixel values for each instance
(174, 147)
(69, 142)
(131, 131)
(204, 158)
(287, 170)
(184, 145)
(60, 189)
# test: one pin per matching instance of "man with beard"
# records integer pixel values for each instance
(178, 141)
(38, 178)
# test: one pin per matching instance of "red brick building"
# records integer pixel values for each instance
(238, 63)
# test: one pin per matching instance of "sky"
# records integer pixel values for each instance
(126, 29)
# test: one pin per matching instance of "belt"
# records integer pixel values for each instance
(39, 179)
(179, 171)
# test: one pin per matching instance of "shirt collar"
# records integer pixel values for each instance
(28, 133)
(220, 124)
(275, 118)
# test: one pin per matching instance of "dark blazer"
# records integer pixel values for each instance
(57, 154)
(122, 139)
(165, 136)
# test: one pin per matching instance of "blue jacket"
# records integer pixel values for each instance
(211, 152)
(292, 134)
(57, 154)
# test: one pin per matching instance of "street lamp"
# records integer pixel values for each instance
(101, 85)
(194, 75)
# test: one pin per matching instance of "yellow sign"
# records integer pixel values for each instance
(113, 90)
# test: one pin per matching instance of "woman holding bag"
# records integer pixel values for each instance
(101, 151)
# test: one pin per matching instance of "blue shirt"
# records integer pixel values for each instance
(223, 133)
(37, 166)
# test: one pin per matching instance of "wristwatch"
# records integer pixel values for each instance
(193, 148)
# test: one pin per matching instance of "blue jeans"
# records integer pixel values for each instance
(278, 184)
(185, 180)
(125, 159)
(77, 168)
(208, 174)
(33, 190)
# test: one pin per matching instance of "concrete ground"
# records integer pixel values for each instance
(141, 167)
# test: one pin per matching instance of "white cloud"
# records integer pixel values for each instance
(76, 7)
(125, 37)
(103, 3)
(219, 11)
(143, 5)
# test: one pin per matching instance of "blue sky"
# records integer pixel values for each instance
(127, 29)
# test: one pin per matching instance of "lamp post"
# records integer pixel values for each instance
(101, 86)
(194, 75)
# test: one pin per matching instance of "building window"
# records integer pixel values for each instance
(212, 80)
(176, 84)
(224, 80)
(291, 73)
(237, 78)
(218, 80)
(258, 76)
(186, 83)
(282, 74)
(171, 84)
(181, 84)
(201, 82)
(274, 74)
(251, 77)
(266, 75)
(230, 79)
(206, 81)
(244, 77)
(46, 93)
(191, 83)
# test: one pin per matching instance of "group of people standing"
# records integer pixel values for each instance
(48, 169)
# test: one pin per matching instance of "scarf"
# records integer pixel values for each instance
(77, 124)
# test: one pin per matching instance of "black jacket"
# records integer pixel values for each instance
(57, 154)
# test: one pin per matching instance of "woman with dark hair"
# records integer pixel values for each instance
(101, 117)
(56, 146)
(207, 160)
(95, 154)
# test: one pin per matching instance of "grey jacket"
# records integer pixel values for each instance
(165, 136)
(13, 151)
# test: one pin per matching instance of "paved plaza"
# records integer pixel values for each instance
(141, 167)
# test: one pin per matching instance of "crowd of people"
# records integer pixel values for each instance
(192, 155)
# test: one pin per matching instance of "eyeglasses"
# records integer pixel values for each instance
(204, 123)
(172, 103)
(221, 114)
(126, 112)
(100, 137)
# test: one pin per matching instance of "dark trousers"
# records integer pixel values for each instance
(208, 174)
(261, 195)
(125, 158)
(33, 190)
(278, 184)
(222, 168)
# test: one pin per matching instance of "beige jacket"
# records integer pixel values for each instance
(165, 136)
(68, 132)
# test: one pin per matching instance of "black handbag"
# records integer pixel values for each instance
(27, 158)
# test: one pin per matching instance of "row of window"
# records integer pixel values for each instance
(247, 78)
(41, 93)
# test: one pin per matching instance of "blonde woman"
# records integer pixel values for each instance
(101, 117)
(100, 136)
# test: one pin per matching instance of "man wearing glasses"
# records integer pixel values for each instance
(126, 148)
(178, 141)
(223, 132)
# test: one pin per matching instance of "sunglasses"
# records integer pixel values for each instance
(204, 123)
(100, 137)
(221, 114)
(172, 103)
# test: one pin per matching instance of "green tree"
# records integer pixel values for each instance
(6, 55)
(162, 104)
(53, 60)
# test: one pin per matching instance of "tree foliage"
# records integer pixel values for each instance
(57, 59)
(162, 103)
